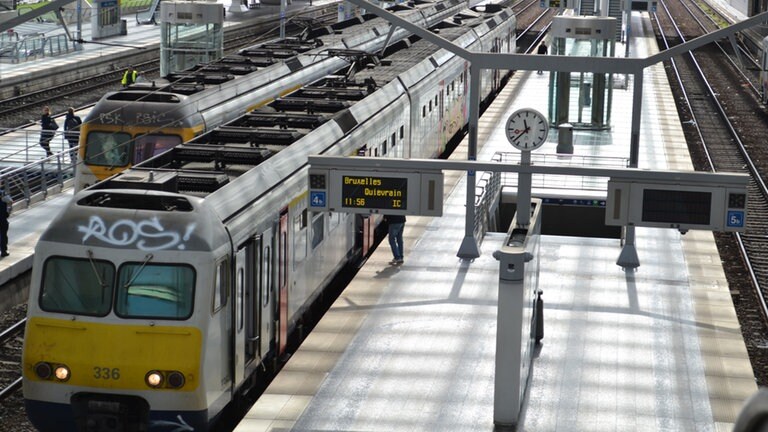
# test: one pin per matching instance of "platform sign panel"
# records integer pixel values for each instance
(695, 205)
(374, 191)
(369, 191)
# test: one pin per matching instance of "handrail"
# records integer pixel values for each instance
(27, 175)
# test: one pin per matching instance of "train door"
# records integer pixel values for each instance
(265, 303)
(243, 290)
(223, 319)
(282, 280)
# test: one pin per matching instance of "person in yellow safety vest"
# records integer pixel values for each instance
(129, 77)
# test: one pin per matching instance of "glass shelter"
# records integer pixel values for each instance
(192, 32)
(582, 99)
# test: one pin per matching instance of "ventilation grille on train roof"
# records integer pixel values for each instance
(352, 93)
(246, 61)
(310, 105)
(221, 156)
(234, 134)
(281, 120)
(154, 95)
(261, 52)
(132, 201)
(199, 77)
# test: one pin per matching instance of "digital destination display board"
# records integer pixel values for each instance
(371, 191)
(375, 192)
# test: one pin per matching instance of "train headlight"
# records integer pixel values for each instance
(43, 370)
(175, 379)
(61, 373)
(154, 379)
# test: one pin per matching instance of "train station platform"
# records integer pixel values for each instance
(412, 347)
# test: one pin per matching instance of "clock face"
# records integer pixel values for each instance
(527, 129)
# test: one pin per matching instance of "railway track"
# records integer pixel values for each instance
(23, 110)
(725, 123)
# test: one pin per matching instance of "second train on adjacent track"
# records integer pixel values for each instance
(129, 126)
(158, 296)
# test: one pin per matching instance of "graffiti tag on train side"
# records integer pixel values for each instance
(111, 118)
(147, 118)
(147, 235)
(142, 118)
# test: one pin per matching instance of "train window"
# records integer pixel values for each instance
(150, 145)
(402, 131)
(266, 287)
(436, 96)
(107, 148)
(300, 237)
(77, 286)
(240, 287)
(430, 105)
(220, 290)
(393, 140)
(318, 229)
(146, 290)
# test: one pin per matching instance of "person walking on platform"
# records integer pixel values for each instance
(129, 77)
(48, 125)
(72, 124)
(5, 211)
(541, 50)
(396, 224)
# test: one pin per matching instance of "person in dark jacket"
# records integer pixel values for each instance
(6, 206)
(48, 125)
(541, 50)
(71, 131)
(396, 225)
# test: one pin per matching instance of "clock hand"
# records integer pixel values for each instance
(520, 135)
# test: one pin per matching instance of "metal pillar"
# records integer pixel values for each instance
(628, 257)
(469, 248)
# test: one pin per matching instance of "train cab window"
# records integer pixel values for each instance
(147, 146)
(107, 148)
(146, 290)
(220, 286)
(77, 286)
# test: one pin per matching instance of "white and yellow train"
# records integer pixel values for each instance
(159, 296)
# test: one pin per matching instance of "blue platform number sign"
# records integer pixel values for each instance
(735, 219)
(317, 199)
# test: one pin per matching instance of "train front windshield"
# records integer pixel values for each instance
(107, 148)
(118, 149)
(137, 290)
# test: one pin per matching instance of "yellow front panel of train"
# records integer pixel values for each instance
(111, 356)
